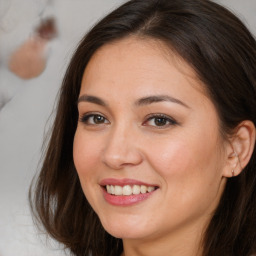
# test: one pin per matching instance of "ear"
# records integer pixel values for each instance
(239, 149)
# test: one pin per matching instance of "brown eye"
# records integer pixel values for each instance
(97, 119)
(93, 119)
(160, 121)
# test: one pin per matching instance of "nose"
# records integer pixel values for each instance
(121, 149)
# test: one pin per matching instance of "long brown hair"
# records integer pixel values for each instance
(222, 52)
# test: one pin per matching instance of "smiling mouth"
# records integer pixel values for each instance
(128, 190)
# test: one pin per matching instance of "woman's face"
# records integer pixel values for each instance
(147, 148)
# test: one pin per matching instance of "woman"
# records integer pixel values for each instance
(152, 149)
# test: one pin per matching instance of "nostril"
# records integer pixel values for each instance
(121, 158)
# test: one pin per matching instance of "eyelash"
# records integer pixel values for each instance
(168, 121)
(85, 118)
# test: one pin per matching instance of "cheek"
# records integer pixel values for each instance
(172, 161)
(86, 156)
(192, 150)
(187, 163)
(86, 159)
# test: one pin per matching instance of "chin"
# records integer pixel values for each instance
(125, 230)
(126, 234)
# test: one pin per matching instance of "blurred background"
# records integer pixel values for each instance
(27, 97)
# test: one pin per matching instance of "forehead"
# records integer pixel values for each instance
(141, 65)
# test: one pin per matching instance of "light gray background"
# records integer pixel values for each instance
(25, 105)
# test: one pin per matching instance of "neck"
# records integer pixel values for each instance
(183, 243)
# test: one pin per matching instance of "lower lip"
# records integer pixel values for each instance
(125, 200)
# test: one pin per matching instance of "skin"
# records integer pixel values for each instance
(186, 159)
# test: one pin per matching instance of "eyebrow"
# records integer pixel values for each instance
(159, 98)
(140, 102)
(91, 99)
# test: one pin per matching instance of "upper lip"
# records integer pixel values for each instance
(123, 182)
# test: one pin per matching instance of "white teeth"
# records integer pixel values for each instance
(118, 190)
(112, 189)
(143, 189)
(128, 190)
(150, 189)
(136, 189)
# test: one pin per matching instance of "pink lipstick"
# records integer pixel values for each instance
(124, 192)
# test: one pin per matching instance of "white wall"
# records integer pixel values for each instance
(28, 105)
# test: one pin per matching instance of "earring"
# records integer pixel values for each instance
(233, 170)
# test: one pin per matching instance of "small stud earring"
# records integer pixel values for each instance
(238, 161)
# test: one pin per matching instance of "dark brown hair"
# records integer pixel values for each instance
(222, 52)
